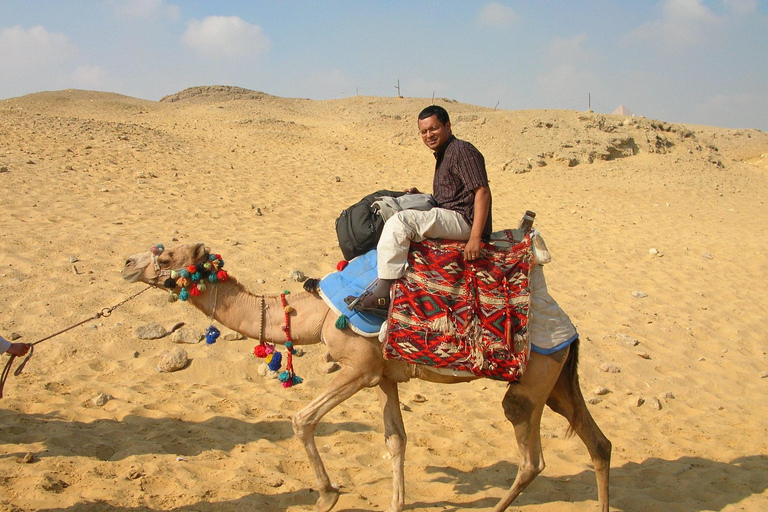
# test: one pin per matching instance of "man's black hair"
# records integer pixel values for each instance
(435, 110)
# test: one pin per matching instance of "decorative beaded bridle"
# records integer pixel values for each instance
(195, 277)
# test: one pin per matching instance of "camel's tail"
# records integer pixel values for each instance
(567, 390)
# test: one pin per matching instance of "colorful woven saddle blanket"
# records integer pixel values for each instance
(463, 316)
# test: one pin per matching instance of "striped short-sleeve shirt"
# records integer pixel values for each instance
(459, 170)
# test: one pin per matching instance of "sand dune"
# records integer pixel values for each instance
(658, 236)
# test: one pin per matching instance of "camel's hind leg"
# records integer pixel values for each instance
(361, 368)
(395, 438)
(523, 405)
(566, 399)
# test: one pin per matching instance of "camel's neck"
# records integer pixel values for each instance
(238, 309)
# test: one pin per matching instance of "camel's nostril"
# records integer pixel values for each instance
(128, 263)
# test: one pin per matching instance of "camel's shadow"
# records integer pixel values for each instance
(141, 435)
(686, 484)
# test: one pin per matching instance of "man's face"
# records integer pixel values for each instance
(434, 133)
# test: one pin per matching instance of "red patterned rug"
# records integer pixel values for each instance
(468, 316)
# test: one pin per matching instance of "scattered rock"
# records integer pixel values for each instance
(639, 295)
(643, 355)
(274, 481)
(601, 391)
(707, 256)
(232, 336)
(331, 367)
(52, 484)
(609, 368)
(187, 335)
(594, 400)
(102, 399)
(655, 403)
(668, 396)
(419, 399)
(134, 474)
(3, 169)
(172, 360)
(264, 371)
(639, 401)
(628, 340)
(653, 251)
(28, 458)
(14, 336)
(764, 375)
(135, 355)
(150, 331)
(297, 275)
(73, 259)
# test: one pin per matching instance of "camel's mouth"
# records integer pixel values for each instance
(132, 270)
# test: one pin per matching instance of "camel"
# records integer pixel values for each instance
(548, 380)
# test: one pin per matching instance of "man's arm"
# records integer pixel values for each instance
(482, 207)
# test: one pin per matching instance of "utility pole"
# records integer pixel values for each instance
(590, 101)
(398, 88)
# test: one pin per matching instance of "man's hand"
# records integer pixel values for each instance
(413, 190)
(473, 249)
(18, 349)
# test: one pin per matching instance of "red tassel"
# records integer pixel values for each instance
(342, 265)
(222, 275)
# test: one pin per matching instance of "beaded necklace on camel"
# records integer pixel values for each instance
(192, 281)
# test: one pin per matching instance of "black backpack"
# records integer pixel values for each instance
(358, 228)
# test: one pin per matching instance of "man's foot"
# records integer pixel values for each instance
(377, 301)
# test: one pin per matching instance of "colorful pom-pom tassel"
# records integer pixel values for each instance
(212, 278)
(183, 282)
(195, 276)
(183, 294)
(222, 275)
(289, 309)
(194, 291)
(184, 272)
(342, 265)
(260, 351)
(170, 283)
(275, 361)
(191, 269)
(342, 322)
(172, 297)
(207, 266)
(211, 335)
(174, 274)
(201, 286)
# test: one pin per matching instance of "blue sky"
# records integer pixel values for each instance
(687, 61)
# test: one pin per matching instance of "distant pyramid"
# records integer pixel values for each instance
(623, 111)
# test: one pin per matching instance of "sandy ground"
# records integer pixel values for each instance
(658, 236)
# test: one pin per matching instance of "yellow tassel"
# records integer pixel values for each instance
(289, 309)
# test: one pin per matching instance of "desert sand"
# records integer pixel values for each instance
(658, 235)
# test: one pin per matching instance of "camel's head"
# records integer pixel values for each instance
(159, 266)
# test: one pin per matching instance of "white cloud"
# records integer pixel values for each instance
(25, 50)
(683, 24)
(90, 77)
(568, 50)
(220, 36)
(146, 8)
(494, 14)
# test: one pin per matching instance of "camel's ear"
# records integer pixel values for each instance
(201, 252)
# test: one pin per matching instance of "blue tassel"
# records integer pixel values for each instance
(211, 335)
(276, 362)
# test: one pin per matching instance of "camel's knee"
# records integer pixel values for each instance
(516, 407)
(301, 424)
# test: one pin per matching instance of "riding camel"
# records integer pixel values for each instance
(548, 379)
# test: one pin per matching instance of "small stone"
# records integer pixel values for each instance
(706, 255)
(419, 399)
(331, 367)
(298, 352)
(609, 368)
(297, 275)
(668, 396)
(134, 474)
(639, 401)
(3, 169)
(264, 371)
(643, 355)
(601, 391)
(28, 458)
(639, 295)
(232, 336)
(187, 335)
(14, 336)
(150, 331)
(274, 482)
(653, 251)
(628, 340)
(73, 259)
(135, 355)
(594, 400)
(764, 375)
(172, 360)
(337, 179)
(102, 399)
(655, 403)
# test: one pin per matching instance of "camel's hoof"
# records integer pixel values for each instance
(328, 499)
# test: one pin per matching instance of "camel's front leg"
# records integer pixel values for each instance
(347, 382)
(395, 438)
